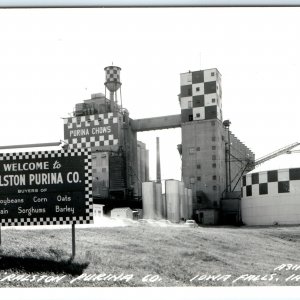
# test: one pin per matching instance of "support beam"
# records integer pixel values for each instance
(157, 123)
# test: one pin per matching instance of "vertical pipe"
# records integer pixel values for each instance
(158, 173)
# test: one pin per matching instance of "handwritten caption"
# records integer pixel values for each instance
(283, 272)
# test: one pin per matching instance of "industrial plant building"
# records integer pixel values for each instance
(213, 159)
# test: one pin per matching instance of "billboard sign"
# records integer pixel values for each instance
(92, 131)
(46, 188)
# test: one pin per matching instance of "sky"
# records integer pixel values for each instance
(52, 59)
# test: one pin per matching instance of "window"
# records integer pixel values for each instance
(191, 150)
(212, 74)
(213, 123)
(197, 115)
(214, 187)
(190, 117)
(222, 137)
(198, 166)
(103, 170)
(214, 165)
(190, 104)
(197, 89)
(213, 138)
(213, 157)
(94, 170)
(213, 100)
(198, 148)
(283, 186)
(189, 92)
(199, 178)
(214, 177)
(263, 188)
(213, 147)
(192, 179)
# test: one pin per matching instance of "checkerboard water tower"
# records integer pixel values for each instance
(112, 81)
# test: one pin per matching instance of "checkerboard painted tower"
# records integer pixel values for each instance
(201, 95)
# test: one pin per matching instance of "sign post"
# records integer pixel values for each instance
(73, 242)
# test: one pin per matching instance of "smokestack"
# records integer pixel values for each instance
(158, 175)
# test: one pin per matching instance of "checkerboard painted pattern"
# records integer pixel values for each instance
(269, 182)
(88, 218)
(201, 95)
(112, 74)
(94, 131)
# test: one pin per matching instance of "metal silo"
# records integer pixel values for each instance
(158, 202)
(149, 196)
(190, 204)
(186, 204)
(182, 199)
(164, 203)
(173, 200)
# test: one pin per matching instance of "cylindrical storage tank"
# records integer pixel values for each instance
(271, 197)
(148, 196)
(143, 164)
(186, 204)
(190, 204)
(182, 200)
(164, 203)
(158, 202)
(173, 200)
(139, 170)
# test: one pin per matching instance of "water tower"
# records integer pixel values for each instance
(112, 82)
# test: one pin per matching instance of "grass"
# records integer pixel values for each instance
(170, 256)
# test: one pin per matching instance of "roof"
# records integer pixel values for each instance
(121, 209)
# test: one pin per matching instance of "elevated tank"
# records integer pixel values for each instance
(112, 81)
(149, 199)
(173, 200)
(112, 78)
